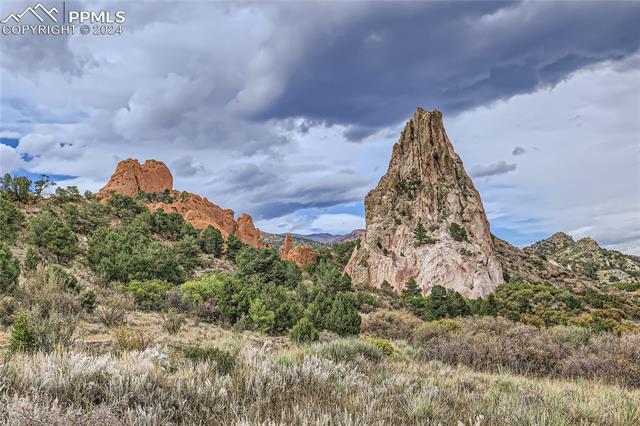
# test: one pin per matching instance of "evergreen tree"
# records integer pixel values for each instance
(304, 331)
(420, 234)
(22, 338)
(234, 245)
(10, 219)
(47, 231)
(344, 318)
(211, 241)
(9, 270)
(411, 289)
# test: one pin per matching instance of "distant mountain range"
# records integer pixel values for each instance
(328, 239)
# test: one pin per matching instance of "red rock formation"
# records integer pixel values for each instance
(130, 177)
(247, 232)
(301, 255)
(154, 176)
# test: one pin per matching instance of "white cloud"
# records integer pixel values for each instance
(581, 174)
(9, 159)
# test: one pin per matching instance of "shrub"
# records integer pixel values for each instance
(156, 197)
(22, 339)
(261, 317)
(88, 300)
(67, 195)
(328, 276)
(32, 331)
(32, 259)
(263, 266)
(364, 298)
(383, 344)
(343, 318)
(91, 216)
(187, 253)
(126, 208)
(50, 290)
(171, 226)
(318, 310)
(71, 215)
(304, 331)
(15, 188)
(48, 232)
(172, 321)
(346, 350)
(127, 253)
(8, 308)
(284, 304)
(113, 307)
(391, 325)
(457, 232)
(234, 245)
(211, 241)
(125, 340)
(9, 270)
(232, 296)
(11, 219)
(223, 360)
(175, 301)
(149, 295)
(434, 329)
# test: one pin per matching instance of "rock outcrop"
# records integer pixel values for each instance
(130, 177)
(425, 220)
(154, 176)
(301, 255)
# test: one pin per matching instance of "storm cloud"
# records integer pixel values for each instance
(257, 105)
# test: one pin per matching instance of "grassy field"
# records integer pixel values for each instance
(100, 380)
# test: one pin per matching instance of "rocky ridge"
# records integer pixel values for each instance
(153, 176)
(587, 259)
(425, 220)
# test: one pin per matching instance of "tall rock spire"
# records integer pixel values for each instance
(425, 220)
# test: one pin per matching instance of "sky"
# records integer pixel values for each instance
(288, 111)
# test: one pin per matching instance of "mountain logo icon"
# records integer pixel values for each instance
(39, 11)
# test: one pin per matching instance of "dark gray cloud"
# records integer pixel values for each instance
(493, 169)
(380, 65)
(518, 150)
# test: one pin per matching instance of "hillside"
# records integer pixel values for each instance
(586, 258)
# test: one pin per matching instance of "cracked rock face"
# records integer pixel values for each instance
(154, 176)
(425, 220)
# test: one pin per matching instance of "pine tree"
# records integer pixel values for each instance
(343, 319)
(304, 331)
(420, 234)
(411, 289)
(211, 241)
(22, 339)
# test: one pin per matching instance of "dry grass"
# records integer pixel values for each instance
(275, 382)
(158, 388)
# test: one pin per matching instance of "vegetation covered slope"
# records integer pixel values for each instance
(110, 313)
(585, 257)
